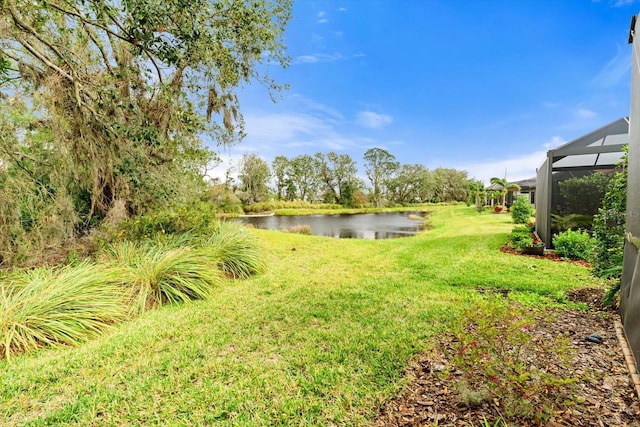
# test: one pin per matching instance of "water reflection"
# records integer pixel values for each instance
(385, 225)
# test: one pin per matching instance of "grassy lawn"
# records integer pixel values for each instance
(322, 338)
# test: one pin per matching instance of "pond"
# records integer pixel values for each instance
(383, 225)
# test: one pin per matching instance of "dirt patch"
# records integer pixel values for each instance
(604, 394)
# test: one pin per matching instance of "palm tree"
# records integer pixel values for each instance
(512, 188)
(500, 184)
(505, 189)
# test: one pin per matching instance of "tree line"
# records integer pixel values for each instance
(333, 178)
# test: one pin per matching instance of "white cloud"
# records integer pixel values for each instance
(342, 9)
(622, 3)
(555, 141)
(517, 168)
(318, 58)
(322, 17)
(306, 59)
(316, 108)
(373, 120)
(614, 71)
(278, 128)
(228, 161)
(551, 105)
(310, 128)
(583, 113)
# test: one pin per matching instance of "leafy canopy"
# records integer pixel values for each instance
(111, 101)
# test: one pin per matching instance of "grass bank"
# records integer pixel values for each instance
(321, 338)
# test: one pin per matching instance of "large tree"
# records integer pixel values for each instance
(108, 103)
(411, 184)
(130, 87)
(279, 166)
(338, 174)
(380, 165)
(254, 176)
(451, 185)
(303, 175)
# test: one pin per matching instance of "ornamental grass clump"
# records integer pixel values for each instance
(66, 306)
(156, 275)
(234, 250)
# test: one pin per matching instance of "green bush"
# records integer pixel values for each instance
(520, 237)
(224, 199)
(573, 244)
(521, 211)
(609, 226)
(45, 307)
(198, 218)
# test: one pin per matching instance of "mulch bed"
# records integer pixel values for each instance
(549, 255)
(604, 390)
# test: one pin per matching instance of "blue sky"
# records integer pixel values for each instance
(483, 85)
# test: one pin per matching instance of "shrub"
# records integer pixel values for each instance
(197, 219)
(223, 198)
(609, 226)
(496, 358)
(521, 211)
(573, 244)
(156, 275)
(520, 237)
(44, 307)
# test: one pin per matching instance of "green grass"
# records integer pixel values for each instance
(322, 337)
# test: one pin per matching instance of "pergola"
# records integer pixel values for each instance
(598, 150)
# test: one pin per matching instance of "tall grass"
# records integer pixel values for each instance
(57, 306)
(284, 204)
(157, 275)
(235, 250)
